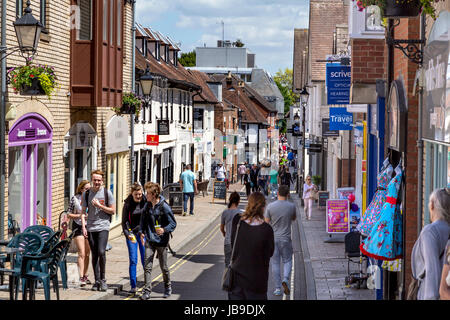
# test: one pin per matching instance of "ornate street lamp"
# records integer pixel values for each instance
(146, 81)
(304, 96)
(28, 31)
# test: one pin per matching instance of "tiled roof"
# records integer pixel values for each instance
(300, 45)
(202, 80)
(242, 99)
(324, 15)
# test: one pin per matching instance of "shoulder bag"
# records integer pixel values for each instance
(413, 288)
(227, 278)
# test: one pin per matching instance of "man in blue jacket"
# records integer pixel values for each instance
(157, 222)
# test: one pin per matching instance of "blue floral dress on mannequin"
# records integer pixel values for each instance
(385, 240)
(373, 211)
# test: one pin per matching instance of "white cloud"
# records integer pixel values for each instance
(265, 26)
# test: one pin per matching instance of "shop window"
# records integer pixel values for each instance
(15, 187)
(437, 172)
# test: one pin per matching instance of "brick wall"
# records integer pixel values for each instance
(368, 60)
(54, 50)
(406, 70)
(323, 17)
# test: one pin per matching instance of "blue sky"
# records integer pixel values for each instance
(265, 26)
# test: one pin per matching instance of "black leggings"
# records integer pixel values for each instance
(98, 242)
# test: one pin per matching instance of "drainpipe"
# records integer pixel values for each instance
(420, 140)
(2, 122)
(133, 75)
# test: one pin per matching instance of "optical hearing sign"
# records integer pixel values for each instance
(338, 82)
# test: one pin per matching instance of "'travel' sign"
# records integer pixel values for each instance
(338, 83)
(340, 119)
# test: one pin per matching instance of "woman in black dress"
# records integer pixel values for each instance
(253, 249)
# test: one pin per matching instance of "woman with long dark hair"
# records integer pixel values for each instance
(131, 216)
(253, 249)
(226, 221)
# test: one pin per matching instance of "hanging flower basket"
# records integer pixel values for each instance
(402, 8)
(33, 80)
(131, 104)
(34, 90)
(394, 9)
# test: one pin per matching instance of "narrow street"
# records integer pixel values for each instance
(196, 270)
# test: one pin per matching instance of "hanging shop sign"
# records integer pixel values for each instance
(315, 148)
(397, 112)
(326, 132)
(338, 216)
(436, 115)
(152, 140)
(296, 130)
(340, 119)
(163, 127)
(338, 82)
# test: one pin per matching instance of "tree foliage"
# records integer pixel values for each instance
(239, 43)
(284, 80)
(188, 59)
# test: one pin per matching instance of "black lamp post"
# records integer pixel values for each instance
(304, 98)
(28, 31)
(146, 80)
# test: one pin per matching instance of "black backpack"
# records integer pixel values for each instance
(86, 194)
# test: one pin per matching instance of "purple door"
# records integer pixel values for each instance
(29, 168)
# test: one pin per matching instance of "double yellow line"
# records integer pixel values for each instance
(183, 260)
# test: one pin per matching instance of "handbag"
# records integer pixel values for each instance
(227, 278)
(413, 289)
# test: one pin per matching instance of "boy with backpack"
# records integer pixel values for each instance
(157, 223)
(100, 205)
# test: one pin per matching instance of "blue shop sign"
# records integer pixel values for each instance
(338, 83)
(340, 119)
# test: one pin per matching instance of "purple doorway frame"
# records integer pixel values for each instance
(28, 132)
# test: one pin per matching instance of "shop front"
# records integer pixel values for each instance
(80, 157)
(30, 172)
(436, 113)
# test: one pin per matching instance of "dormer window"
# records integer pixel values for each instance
(158, 50)
(144, 47)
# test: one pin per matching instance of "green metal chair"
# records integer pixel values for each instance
(63, 263)
(30, 277)
(44, 231)
(31, 244)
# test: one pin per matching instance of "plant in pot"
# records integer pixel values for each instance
(130, 104)
(400, 8)
(33, 80)
(317, 180)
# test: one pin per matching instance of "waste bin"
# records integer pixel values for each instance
(174, 196)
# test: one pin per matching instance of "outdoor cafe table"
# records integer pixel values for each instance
(11, 252)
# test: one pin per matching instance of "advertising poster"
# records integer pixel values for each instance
(338, 216)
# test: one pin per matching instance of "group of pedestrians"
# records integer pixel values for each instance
(262, 179)
(256, 238)
(147, 223)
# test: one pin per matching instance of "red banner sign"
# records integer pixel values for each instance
(152, 140)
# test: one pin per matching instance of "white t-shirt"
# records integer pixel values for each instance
(220, 172)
